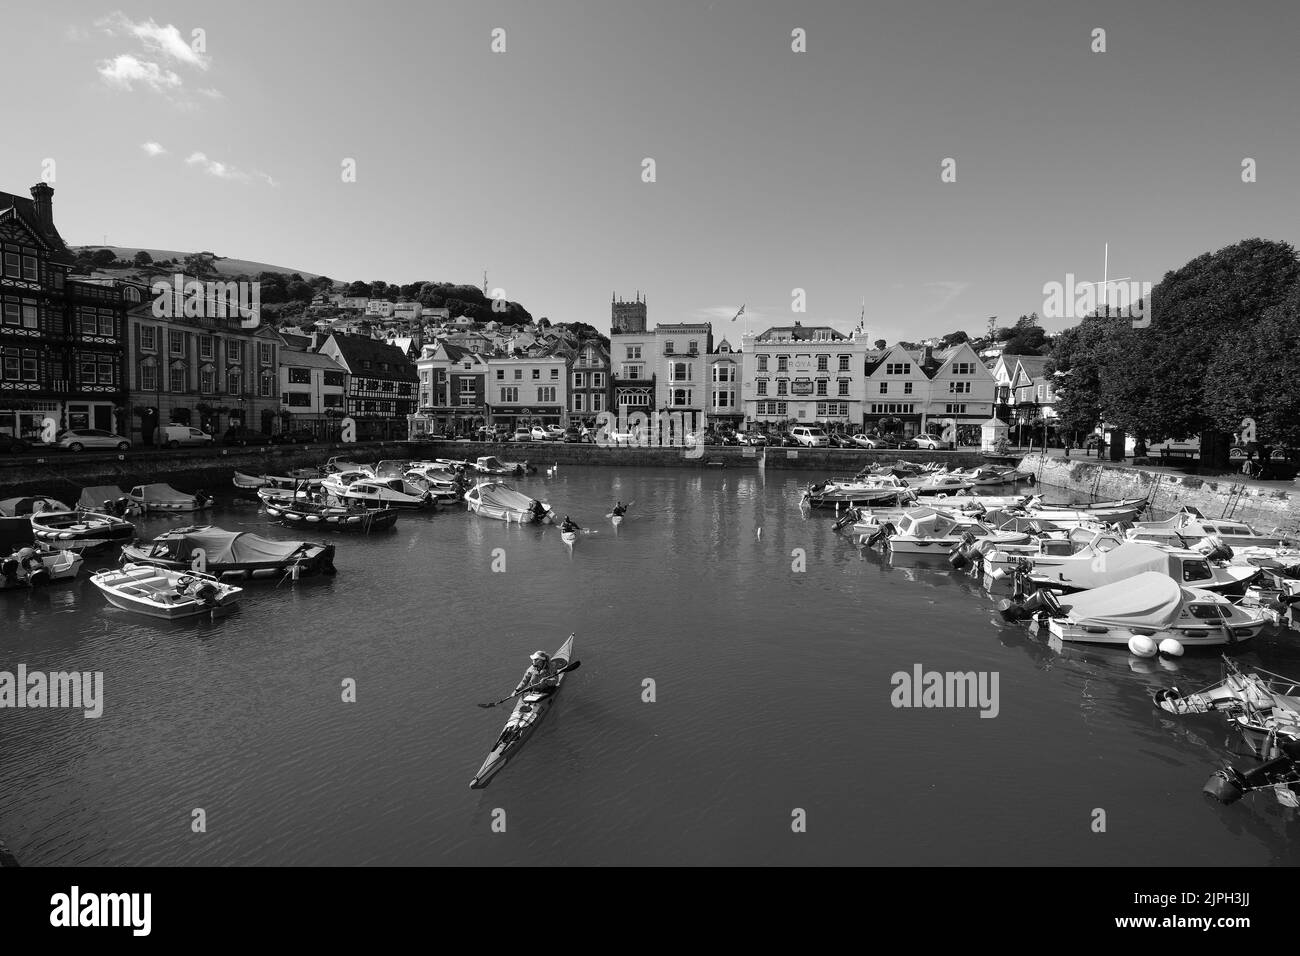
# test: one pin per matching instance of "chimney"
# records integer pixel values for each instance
(43, 198)
(928, 356)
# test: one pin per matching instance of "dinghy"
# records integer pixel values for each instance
(311, 514)
(80, 529)
(158, 592)
(233, 555)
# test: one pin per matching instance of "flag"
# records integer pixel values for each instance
(738, 314)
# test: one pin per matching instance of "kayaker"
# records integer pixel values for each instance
(569, 525)
(539, 673)
(619, 510)
(537, 510)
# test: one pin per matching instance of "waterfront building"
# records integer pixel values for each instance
(381, 385)
(634, 361)
(527, 390)
(207, 371)
(313, 388)
(725, 409)
(453, 391)
(911, 391)
(683, 385)
(61, 350)
(803, 375)
(591, 389)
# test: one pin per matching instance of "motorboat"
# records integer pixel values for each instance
(233, 555)
(859, 491)
(492, 465)
(339, 464)
(298, 481)
(29, 567)
(1259, 703)
(496, 499)
(443, 485)
(325, 517)
(933, 530)
(1141, 612)
(1189, 525)
(80, 529)
(336, 483)
(161, 497)
(968, 502)
(163, 593)
(109, 500)
(34, 504)
(249, 485)
(937, 481)
(1109, 558)
(1078, 516)
(387, 493)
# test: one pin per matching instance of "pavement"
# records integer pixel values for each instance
(1234, 475)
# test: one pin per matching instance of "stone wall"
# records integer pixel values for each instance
(1262, 506)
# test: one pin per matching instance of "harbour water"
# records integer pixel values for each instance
(771, 685)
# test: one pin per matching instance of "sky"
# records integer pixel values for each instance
(774, 170)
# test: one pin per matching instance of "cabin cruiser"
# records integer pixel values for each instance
(336, 483)
(1109, 558)
(387, 493)
(233, 554)
(1189, 525)
(937, 481)
(1141, 613)
(496, 499)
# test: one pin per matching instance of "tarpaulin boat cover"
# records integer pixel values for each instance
(499, 496)
(163, 493)
(1131, 559)
(1152, 599)
(17, 507)
(92, 499)
(228, 547)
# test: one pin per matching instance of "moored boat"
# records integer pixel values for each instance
(309, 514)
(933, 531)
(527, 715)
(161, 497)
(496, 499)
(1189, 526)
(162, 593)
(31, 505)
(233, 555)
(32, 568)
(387, 493)
(80, 529)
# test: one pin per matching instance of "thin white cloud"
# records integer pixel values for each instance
(165, 40)
(944, 293)
(226, 171)
(125, 72)
(153, 149)
(212, 94)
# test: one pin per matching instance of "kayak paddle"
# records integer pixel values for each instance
(523, 690)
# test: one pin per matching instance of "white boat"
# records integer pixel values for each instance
(336, 483)
(108, 499)
(32, 505)
(387, 493)
(161, 497)
(969, 502)
(33, 568)
(443, 485)
(568, 537)
(1153, 606)
(339, 464)
(937, 481)
(80, 529)
(1260, 703)
(1108, 559)
(496, 499)
(934, 531)
(1189, 526)
(492, 465)
(158, 592)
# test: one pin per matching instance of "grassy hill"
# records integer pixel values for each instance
(225, 268)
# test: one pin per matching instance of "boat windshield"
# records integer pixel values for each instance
(1197, 571)
(1205, 612)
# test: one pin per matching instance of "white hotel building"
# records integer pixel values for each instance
(804, 374)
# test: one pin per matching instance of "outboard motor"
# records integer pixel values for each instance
(207, 593)
(843, 521)
(959, 556)
(39, 577)
(1230, 784)
(885, 531)
(1217, 550)
(9, 569)
(201, 497)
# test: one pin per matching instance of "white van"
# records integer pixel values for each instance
(810, 437)
(174, 436)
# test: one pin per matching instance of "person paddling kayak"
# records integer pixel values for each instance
(618, 510)
(537, 510)
(540, 674)
(569, 525)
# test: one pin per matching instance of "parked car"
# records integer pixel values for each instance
(841, 440)
(728, 438)
(242, 435)
(810, 436)
(928, 442)
(79, 439)
(575, 434)
(538, 433)
(522, 434)
(751, 438)
(619, 437)
(295, 436)
(11, 443)
(554, 433)
(908, 443)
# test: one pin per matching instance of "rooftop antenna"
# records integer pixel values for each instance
(485, 282)
(1105, 281)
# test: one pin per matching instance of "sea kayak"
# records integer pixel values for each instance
(568, 537)
(528, 713)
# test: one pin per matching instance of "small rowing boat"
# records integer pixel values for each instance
(329, 517)
(158, 592)
(528, 713)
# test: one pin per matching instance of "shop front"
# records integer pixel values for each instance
(511, 417)
(27, 420)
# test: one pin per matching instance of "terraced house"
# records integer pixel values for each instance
(920, 391)
(591, 389)
(206, 371)
(683, 350)
(525, 390)
(381, 385)
(61, 352)
(803, 375)
(452, 396)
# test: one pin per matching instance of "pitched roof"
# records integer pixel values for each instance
(296, 342)
(357, 349)
(309, 360)
(25, 209)
(1032, 364)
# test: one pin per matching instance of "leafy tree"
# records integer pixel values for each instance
(103, 258)
(357, 288)
(142, 259)
(880, 343)
(299, 291)
(954, 338)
